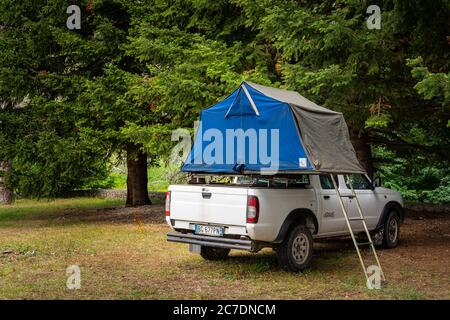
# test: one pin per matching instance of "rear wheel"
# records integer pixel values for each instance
(295, 252)
(212, 253)
(391, 234)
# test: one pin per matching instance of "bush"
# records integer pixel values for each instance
(414, 180)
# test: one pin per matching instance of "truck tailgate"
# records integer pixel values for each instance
(209, 204)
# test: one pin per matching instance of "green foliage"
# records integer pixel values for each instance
(138, 70)
(442, 193)
(431, 85)
(417, 180)
(41, 72)
(160, 177)
(111, 181)
(377, 121)
(374, 77)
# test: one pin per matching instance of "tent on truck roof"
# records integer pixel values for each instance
(260, 129)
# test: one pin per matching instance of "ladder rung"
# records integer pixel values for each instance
(364, 243)
(355, 219)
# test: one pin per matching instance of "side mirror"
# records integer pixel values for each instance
(376, 182)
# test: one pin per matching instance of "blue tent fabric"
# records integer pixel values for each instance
(251, 131)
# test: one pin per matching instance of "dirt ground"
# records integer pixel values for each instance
(129, 245)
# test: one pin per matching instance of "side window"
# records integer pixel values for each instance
(359, 182)
(290, 182)
(300, 182)
(326, 183)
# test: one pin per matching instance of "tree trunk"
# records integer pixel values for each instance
(360, 141)
(137, 179)
(6, 193)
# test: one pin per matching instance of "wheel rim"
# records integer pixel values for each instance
(300, 248)
(393, 229)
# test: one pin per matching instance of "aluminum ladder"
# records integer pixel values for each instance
(360, 218)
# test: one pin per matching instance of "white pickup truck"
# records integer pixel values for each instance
(284, 213)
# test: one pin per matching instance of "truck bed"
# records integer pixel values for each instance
(226, 206)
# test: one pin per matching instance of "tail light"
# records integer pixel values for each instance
(168, 203)
(252, 209)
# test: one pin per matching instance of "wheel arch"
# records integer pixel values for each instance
(391, 206)
(296, 216)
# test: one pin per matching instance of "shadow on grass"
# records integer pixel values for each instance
(326, 258)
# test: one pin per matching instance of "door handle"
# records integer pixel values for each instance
(206, 195)
(326, 197)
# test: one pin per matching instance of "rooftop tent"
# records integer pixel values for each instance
(263, 129)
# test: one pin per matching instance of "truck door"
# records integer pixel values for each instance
(368, 199)
(331, 218)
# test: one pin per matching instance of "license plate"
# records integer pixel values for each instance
(209, 230)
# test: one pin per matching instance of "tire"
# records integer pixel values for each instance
(295, 252)
(212, 253)
(391, 230)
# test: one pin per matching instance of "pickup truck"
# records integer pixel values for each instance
(282, 212)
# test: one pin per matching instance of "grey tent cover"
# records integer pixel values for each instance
(324, 132)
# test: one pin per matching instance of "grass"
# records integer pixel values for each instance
(23, 208)
(122, 259)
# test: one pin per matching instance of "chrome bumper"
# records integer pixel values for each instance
(208, 241)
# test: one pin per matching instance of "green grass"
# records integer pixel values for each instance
(23, 208)
(120, 259)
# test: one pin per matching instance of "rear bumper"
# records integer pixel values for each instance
(208, 241)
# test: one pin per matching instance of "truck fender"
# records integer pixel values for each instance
(391, 205)
(294, 218)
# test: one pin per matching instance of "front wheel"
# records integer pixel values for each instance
(211, 253)
(391, 232)
(295, 252)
